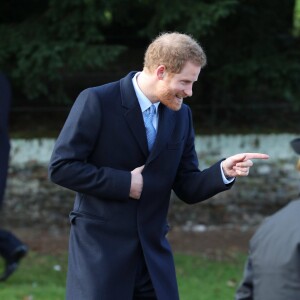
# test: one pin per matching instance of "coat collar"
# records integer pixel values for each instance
(134, 118)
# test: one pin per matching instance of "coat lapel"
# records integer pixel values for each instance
(134, 118)
(132, 112)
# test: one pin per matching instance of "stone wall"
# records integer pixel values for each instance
(209, 147)
(32, 200)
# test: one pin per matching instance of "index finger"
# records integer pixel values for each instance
(256, 155)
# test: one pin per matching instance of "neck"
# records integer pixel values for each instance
(146, 83)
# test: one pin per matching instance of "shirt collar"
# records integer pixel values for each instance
(144, 102)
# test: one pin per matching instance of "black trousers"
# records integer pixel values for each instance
(8, 243)
(144, 289)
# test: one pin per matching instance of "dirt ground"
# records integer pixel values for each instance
(216, 243)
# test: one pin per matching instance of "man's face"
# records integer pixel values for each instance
(174, 87)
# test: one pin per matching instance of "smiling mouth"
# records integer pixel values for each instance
(179, 101)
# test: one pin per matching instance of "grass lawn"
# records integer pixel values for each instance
(42, 277)
(39, 277)
(200, 278)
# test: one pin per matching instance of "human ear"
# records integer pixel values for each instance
(160, 72)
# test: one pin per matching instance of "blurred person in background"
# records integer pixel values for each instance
(11, 248)
(272, 269)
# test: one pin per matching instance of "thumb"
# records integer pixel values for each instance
(238, 157)
(141, 168)
(138, 170)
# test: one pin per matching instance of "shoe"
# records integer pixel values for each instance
(13, 263)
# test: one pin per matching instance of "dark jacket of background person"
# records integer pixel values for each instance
(11, 248)
(272, 271)
(5, 99)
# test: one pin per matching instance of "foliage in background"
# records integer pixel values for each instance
(296, 30)
(255, 58)
(198, 18)
(43, 41)
(252, 49)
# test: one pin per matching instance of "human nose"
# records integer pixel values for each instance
(188, 91)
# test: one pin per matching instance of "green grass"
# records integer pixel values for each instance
(199, 278)
(36, 279)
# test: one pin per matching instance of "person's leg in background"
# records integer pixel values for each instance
(11, 248)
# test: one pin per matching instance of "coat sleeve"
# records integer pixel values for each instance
(69, 164)
(245, 290)
(191, 184)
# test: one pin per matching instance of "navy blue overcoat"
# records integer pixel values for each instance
(102, 141)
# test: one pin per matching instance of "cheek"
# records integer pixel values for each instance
(167, 96)
(165, 93)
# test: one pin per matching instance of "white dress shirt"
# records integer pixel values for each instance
(144, 102)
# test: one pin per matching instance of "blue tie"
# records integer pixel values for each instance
(150, 130)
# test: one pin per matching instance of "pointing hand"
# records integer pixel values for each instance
(239, 164)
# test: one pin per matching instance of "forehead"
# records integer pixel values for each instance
(189, 72)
